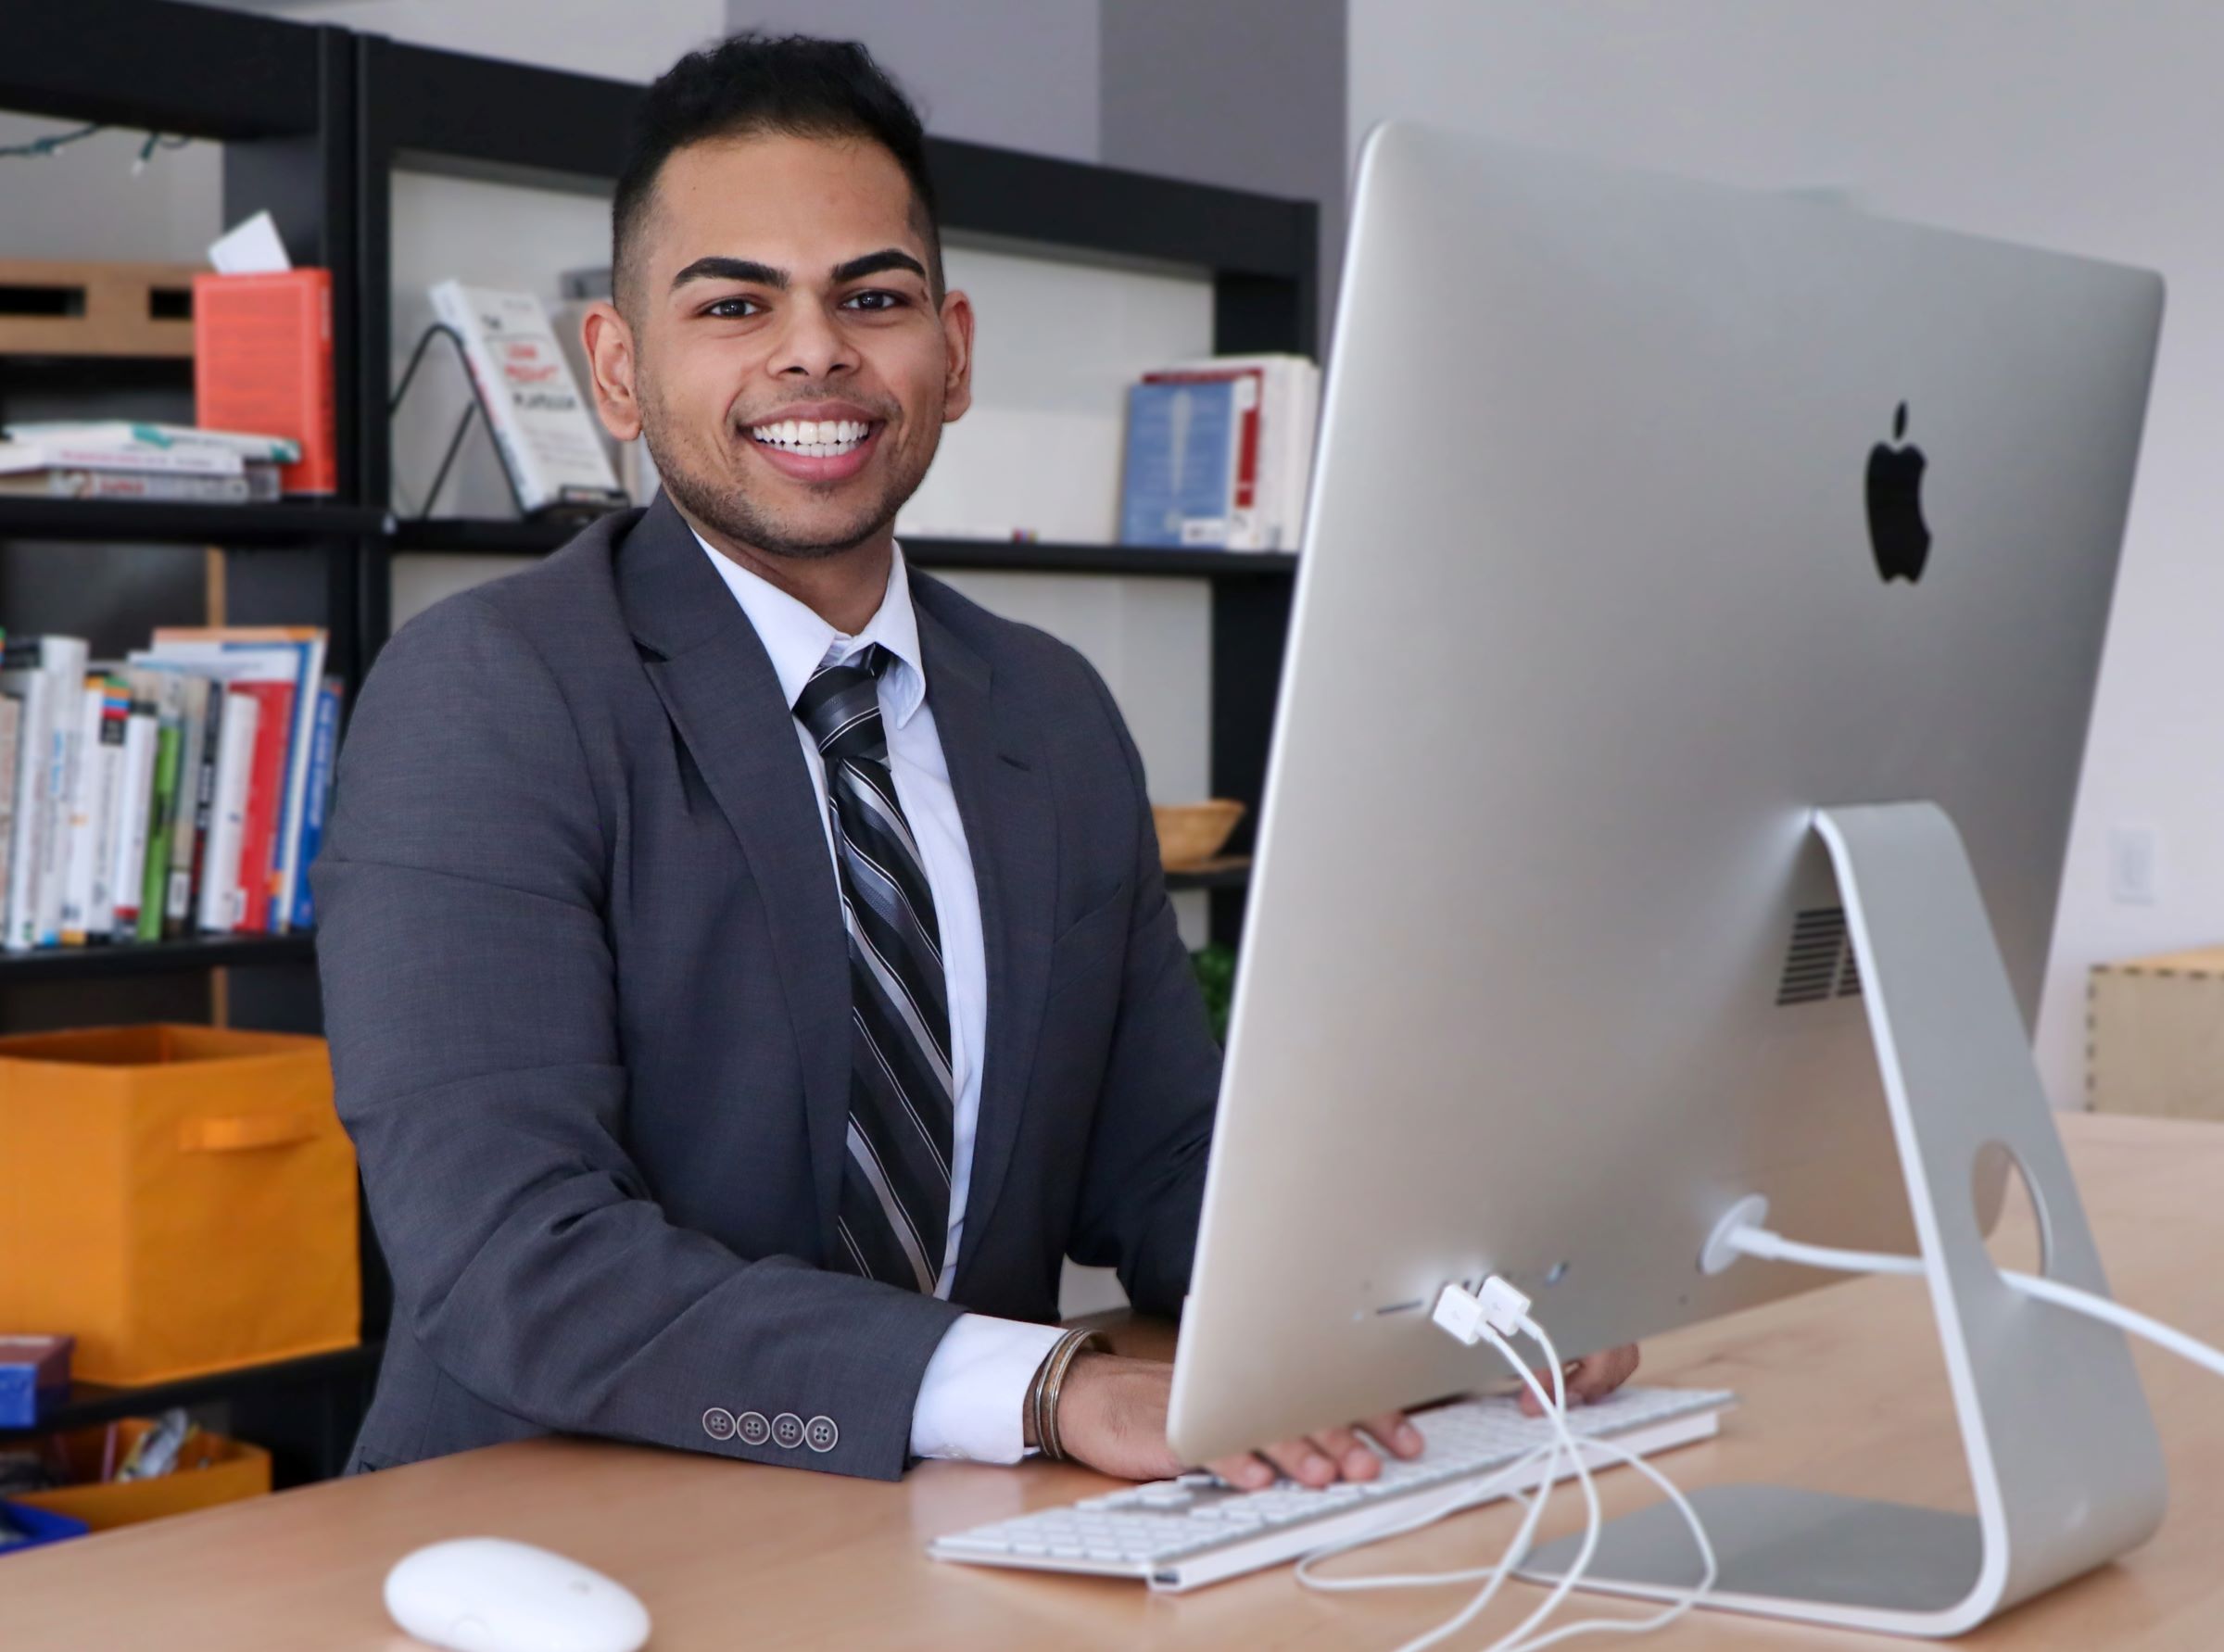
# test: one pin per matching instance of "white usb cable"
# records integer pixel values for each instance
(1772, 1246)
(1494, 1314)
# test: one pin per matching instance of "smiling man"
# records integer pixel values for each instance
(746, 961)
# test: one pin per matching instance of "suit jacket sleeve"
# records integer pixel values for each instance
(471, 1003)
(1142, 1188)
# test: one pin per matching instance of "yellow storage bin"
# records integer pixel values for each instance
(210, 1470)
(181, 1199)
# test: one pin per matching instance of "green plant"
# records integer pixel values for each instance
(1214, 965)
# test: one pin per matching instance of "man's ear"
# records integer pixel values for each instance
(610, 354)
(957, 343)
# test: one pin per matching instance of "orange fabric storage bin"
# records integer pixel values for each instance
(181, 1199)
(210, 1470)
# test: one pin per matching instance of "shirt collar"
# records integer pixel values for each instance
(799, 642)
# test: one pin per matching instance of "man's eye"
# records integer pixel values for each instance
(726, 311)
(873, 300)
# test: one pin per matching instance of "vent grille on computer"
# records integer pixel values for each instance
(1820, 964)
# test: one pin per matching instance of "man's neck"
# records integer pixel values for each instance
(845, 589)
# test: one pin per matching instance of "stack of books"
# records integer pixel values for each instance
(118, 459)
(1220, 453)
(180, 791)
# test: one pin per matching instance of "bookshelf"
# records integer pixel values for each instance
(308, 526)
(316, 119)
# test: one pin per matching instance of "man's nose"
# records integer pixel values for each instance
(814, 346)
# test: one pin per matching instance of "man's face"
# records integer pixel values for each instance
(786, 357)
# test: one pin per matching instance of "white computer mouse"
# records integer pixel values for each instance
(489, 1594)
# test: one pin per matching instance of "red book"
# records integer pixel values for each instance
(266, 799)
(262, 365)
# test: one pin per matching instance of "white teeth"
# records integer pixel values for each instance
(815, 438)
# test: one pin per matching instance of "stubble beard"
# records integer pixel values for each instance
(722, 505)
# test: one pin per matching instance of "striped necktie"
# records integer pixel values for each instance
(895, 1211)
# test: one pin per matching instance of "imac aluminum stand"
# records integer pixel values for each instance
(2062, 1451)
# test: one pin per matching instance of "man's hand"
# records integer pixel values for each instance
(1591, 1378)
(1112, 1417)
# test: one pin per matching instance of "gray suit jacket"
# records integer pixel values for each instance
(588, 993)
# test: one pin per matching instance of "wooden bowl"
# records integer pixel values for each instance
(1189, 833)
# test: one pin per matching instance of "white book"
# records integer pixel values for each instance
(1305, 430)
(27, 833)
(90, 791)
(135, 804)
(48, 672)
(221, 905)
(549, 441)
(108, 433)
(61, 453)
(12, 729)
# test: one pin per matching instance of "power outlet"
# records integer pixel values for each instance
(2133, 855)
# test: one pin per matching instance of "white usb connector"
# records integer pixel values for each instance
(1464, 1313)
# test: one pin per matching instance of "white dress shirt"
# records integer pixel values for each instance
(970, 1397)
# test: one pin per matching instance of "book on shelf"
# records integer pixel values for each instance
(12, 729)
(549, 444)
(183, 791)
(1218, 453)
(284, 668)
(113, 459)
(45, 674)
(262, 361)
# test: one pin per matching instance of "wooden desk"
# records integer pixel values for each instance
(1843, 1389)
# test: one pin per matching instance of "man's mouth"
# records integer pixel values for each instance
(824, 449)
(814, 438)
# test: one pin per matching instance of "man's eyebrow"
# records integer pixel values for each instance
(872, 263)
(723, 268)
(718, 268)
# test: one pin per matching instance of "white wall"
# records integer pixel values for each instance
(2084, 125)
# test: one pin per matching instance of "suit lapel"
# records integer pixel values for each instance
(1004, 800)
(718, 686)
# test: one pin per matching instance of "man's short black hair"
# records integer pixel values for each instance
(751, 83)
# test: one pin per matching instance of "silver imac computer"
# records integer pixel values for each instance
(1694, 640)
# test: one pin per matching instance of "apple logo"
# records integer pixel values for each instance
(1897, 533)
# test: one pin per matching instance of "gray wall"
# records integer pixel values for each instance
(1021, 74)
(1249, 93)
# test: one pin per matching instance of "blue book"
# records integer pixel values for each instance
(317, 795)
(1179, 482)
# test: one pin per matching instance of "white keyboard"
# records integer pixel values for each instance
(1181, 1533)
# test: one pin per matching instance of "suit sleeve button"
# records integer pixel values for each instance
(752, 1427)
(820, 1434)
(718, 1422)
(788, 1430)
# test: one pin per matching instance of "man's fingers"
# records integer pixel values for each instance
(1301, 1461)
(1591, 1378)
(1352, 1458)
(1250, 1472)
(1395, 1434)
(1597, 1375)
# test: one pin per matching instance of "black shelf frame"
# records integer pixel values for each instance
(315, 120)
(331, 528)
(157, 957)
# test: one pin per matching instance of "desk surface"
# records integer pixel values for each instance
(1843, 1389)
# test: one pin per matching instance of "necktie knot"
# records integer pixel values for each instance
(841, 707)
